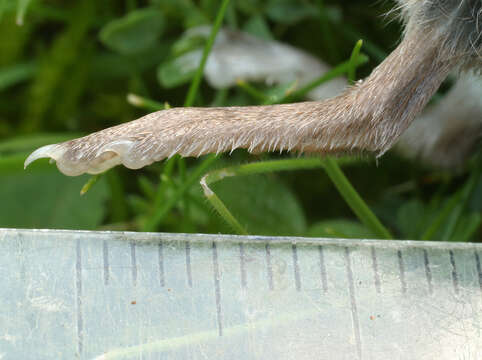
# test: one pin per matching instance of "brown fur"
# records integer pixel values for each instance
(369, 116)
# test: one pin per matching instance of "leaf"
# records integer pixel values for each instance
(264, 205)
(109, 65)
(90, 183)
(332, 13)
(180, 70)
(22, 7)
(250, 7)
(189, 42)
(411, 219)
(54, 66)
(147, 187)
(195, 17)
(475, 202)
(467, 227)
(16, 74)
(186, 10)
(138, 204)
(134, 32)
(281, 91)
(290, 12)
(345, 229)
(258, 27)
(49, 200)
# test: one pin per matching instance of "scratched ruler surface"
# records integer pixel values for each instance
(108, 295)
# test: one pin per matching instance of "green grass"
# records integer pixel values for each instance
(69, 71)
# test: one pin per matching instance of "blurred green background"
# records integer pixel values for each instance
(67, 71)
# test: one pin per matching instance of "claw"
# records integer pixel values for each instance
(52, 151)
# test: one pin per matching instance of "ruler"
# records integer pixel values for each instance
(116, 295)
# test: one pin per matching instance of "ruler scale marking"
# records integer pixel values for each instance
(479, 268)
(353, 305)
(428, 271)
(376, 274)
(105, 257)
(160, 256)
(188, 264)
(242, 265)
(268, 267)
(133, 263)
(455, 278)
(78, 286)
(401, 266)
(296, 267)
(21, 254)
(324, 280)
(217, 289)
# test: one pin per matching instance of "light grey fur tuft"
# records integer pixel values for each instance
(457, 23)
(447, 133)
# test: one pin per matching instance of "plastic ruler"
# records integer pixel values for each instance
(114, 295)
